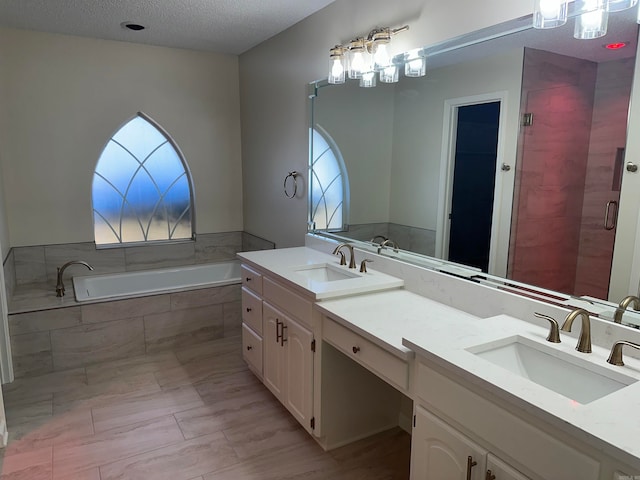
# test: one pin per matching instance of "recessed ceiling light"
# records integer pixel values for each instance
(615, 46)
(136, 27)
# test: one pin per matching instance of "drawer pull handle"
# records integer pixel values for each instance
(470, 464)
(248, 309)
(490, 476)
(355, 349)
(249, 347)
(278, 334)
(248, 279)
(282, 339)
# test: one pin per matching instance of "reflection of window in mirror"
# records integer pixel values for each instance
(329, 183)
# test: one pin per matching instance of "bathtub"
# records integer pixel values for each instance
(151, 282)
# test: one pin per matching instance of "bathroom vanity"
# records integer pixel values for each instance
(350, 354)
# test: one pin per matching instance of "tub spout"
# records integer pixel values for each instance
(59, 283)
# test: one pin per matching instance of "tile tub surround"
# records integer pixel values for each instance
(76, 336)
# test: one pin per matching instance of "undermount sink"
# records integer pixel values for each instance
(325, 272)
(577, 379)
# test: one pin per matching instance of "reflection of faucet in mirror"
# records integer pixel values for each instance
(626, 301)
(59, 284)
(381, 237)
(352, 260)
(584, 342)
(389, 243)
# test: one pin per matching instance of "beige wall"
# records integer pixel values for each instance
(63, 97)
(274, 105)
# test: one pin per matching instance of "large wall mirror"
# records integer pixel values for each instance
(507, 157)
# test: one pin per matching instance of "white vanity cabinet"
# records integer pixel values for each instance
(252, 319)
(439, 451)
(541, 454)
(286, 341)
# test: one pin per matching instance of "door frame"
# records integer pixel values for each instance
(503, 188)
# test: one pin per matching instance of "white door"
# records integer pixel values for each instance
(439, 452)
(299, 372)
(274, 352)
(498, 470)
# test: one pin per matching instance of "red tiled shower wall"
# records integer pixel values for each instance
(553, 157)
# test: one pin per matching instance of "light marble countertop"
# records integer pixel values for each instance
(285, 263)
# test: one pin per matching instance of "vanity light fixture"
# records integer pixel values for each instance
(550, 13)
(592, 23)
(591, 16)
(362, 58)
(415, 63)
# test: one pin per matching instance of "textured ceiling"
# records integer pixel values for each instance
(224, 26)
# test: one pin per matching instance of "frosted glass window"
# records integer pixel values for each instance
(142, 190)
(329, 183)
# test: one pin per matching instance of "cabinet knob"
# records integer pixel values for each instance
(249, 347)
(248, 309)
(248, 279)
(356, 349)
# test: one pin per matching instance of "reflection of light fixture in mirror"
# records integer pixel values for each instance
(550, 13)
(358, 63)
(593, 22)
(364, 54)
(390, 74)
(336, 65)
(368, 79)
(415, 64)
(619, 5)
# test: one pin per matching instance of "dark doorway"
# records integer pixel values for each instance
(474, 175)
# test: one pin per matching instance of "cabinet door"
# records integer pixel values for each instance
(274, 353)
(299, 371)
(501, 471)
(439, 452)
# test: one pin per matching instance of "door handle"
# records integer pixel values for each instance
(610, 220)
(470, 464)
(278, 333)
(282, 339)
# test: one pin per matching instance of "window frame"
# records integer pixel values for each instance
(188, 176)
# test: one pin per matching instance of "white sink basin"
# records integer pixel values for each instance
(325, 272)
(579, 380)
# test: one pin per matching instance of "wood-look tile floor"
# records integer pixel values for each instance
(193, 414)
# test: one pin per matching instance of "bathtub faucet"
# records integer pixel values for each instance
(59, 284)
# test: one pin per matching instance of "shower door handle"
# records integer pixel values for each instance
(610, 219)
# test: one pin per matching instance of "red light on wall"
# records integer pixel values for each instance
(615, 46)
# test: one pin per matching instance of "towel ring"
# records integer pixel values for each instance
(295, 176)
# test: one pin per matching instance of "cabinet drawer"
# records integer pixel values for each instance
(252, 310)
(290, 302)
(382, 363)
(252, 348)
(536, 450)
(251, 279)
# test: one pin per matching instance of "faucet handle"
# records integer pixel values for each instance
(343, 260)
(554, 332)
(363, 265)
(615, 357)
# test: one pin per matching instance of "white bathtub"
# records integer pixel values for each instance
(152, 282)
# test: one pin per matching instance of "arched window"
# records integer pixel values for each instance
(329, 183)
(142, 190)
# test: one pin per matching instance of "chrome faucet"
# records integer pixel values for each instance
(59, 284)
(584, 342)
(617, 317)
(352, 260)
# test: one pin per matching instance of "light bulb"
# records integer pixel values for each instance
(389, 74)
(593, 22)
(550, 13)
(336, 75)
(368, 79)
(357, 65)
(381, 57)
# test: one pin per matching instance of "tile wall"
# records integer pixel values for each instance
(77, 335)
(414, 239)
